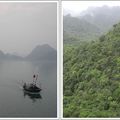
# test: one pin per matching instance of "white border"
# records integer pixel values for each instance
(58, 51)
(61, 61)
(91, 118)
(29, 1)
(58, 62)
(61, 57)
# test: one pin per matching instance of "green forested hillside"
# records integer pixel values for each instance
(76, 30)
(89, 24)
(92, 77)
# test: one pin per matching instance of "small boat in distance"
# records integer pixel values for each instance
(32, 87)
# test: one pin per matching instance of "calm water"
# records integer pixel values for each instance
(14, 102)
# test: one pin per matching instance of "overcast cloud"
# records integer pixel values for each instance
(26, 25)
(76, 7)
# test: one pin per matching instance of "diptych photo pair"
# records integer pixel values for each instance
(59, 60)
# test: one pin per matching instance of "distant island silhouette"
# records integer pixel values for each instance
(39, 53)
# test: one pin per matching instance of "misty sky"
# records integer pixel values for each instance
(26, 25)
(76, 7)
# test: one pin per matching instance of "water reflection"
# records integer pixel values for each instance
(33, 97)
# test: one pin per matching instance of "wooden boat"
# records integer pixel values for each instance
(32, 87)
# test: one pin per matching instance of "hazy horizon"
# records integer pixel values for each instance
(75, 8)
(23, 26)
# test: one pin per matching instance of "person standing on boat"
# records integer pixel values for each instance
(34, 76)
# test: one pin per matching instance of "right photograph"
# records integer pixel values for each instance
(91, 59)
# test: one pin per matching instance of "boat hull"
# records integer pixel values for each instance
(31, 88)
(34, 91)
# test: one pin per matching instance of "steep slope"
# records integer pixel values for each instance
(92, 77)
(103, 17)
(42, 53)
(90, 24)
(76, 30)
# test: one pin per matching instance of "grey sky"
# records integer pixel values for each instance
(26, 25)
(76, 7)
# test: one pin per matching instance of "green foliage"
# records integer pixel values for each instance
(77, 30)
(92, 77)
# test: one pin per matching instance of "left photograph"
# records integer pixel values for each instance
(28, 59)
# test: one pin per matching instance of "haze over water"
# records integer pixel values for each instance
(14, 102)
